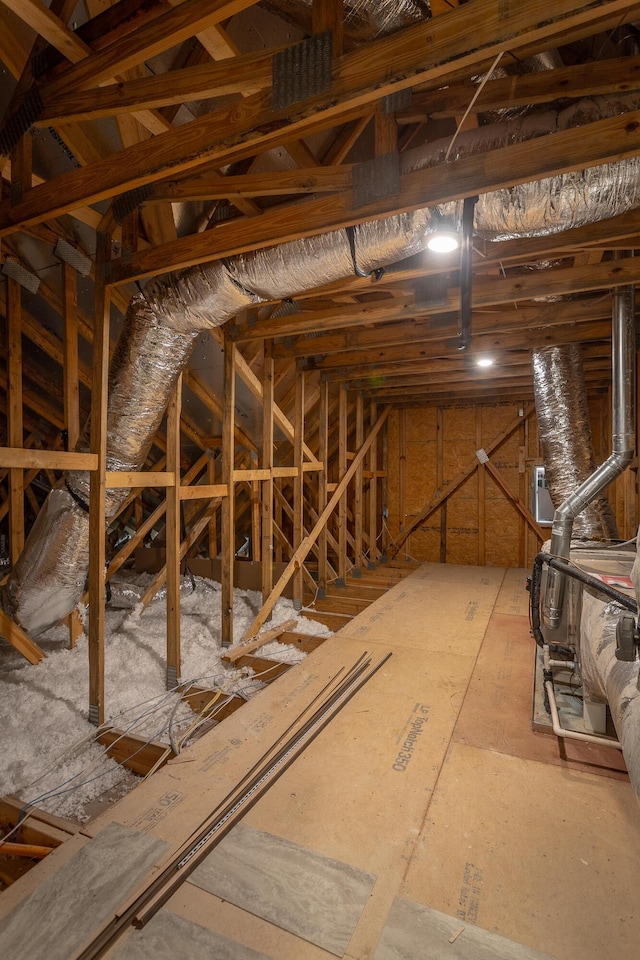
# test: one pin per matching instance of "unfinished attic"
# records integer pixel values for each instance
(319, 479)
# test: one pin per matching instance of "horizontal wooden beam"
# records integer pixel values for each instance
(365, 366)
(149, 40)
(430, 50)
(596, 143)
(46, 459)
(125, 478)
(204, 491)
(619, 75)
(405, 338)
(19, 640)
(163, 89)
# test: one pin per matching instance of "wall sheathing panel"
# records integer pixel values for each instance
(508, 541)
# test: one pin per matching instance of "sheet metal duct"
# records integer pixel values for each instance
(623, 354)
(565, 435)
(162, 324)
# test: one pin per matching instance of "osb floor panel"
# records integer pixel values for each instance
(411, 927)
(314, 897)
(53, 922)
(496, 713)
(168, 937)
(430, 781)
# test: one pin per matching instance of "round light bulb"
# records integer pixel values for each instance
(484, 362)
(443, 242)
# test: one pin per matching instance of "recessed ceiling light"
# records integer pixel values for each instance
(484, 362)
(443, 242)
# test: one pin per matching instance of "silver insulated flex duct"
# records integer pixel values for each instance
(363, 19)
(564, 431)
(160, 329)
(163, 322)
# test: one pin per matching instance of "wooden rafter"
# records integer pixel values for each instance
(394, 63)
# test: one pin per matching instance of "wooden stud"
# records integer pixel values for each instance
(213, 523)
(97, 504)
(172, 528)
(303, 550)
(481, 493)
(228, 534)
(71, 363)
(14, 417)
(402, 471)
(298, 482)
(523, 492)
(75, 628)
(342, 468)
(21, 169)
(323, 456)
(266, 505)
(329, 15)
(373, 495)
(385, 133)
(357, 493)
(385, 493)
(256, 532)
(440, 481)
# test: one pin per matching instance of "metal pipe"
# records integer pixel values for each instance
(561, 731)
(623, 446)
(466, 262)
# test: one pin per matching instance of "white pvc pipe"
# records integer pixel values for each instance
(574, 734)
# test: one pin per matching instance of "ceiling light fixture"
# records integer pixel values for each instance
(484, 362)
(443, 241)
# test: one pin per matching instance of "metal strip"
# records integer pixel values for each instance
(127, 202)
(376, 179)
(140, 910)
(399, 100)
(301, 71)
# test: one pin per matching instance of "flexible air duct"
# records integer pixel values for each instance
(158, 334)
(565, 435)
(163, 322)
(363, 19)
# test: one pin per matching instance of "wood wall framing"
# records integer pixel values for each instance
(332, 426)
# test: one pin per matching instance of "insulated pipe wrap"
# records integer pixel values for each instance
(160, 329)
(48, 579)
(294, 267)
(607, 679)
(565, 435)
(546, 206)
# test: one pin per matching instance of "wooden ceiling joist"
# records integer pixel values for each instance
(393, 63)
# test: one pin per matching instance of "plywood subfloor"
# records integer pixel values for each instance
(430, 781)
